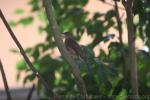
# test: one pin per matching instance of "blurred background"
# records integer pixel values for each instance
(90, 21)
(28, 36)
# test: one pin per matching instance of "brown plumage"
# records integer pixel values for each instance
(73, 47)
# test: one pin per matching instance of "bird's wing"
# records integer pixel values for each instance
(71, 43)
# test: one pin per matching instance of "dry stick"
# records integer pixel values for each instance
(35, 72)
(131, 42)
(119, 24)
(5, 81)
(56, 33)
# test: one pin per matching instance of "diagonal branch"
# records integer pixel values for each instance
(35, 72)
(56, 33)
(5, 81)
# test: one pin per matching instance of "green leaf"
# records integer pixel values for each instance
(123, 83)
(97, 15)
(21, 65)
(148, 79)
(110, 14)
(13, 23)
(67, 25)
(84, 2)
(19, 11)
(34, 4)
(136, 19)
(41, 16)
(29, 77)
(147, 10)
(36, 53)
(28, 50)
(26, 21)
(122, 95)
(41, 29)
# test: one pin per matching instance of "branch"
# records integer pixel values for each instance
(107, 3)
(29, 97)
(5, 81)
(131, 42)
(119, 24)
(35, 72)
(56, 33)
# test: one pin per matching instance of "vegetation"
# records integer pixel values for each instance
(123, 73)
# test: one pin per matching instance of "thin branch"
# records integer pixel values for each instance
(119, 24)
(110, 4)
(29, 97)
(5, 81)
(35, 72)
(131, 42)
(56, 33)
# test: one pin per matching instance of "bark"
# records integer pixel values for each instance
(131, 42)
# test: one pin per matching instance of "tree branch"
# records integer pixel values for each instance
(29, 97)
(131, 42)
(5, 81)
(107, 3)
(35, 72)
(119, 24)
(56, 33)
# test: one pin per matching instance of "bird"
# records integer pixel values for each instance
(74, 49)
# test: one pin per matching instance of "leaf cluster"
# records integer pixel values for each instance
(103, 75)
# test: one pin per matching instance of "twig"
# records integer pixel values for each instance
(56, 33)
(119, 24)
(131, 42)
(29, 97)
(35, 72)
(107, 3)
(118, 21)
(5, 82)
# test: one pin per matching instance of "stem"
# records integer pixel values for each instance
(110, 4)
(131, 43)
(35, 72)
(5, 82)
(119, 24)
(56, 33)
(29, 97)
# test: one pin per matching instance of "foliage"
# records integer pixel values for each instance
(103, 75)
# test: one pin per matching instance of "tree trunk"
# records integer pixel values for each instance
(131, 43)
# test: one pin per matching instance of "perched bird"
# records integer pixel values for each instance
(73, 47)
